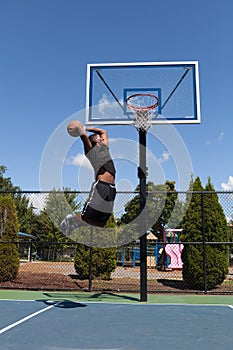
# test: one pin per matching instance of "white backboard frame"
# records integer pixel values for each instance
(193, 119)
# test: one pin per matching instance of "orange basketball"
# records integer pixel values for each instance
(75, 128)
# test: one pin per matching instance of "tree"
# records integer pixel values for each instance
(103, 260)
(44, 231)
(192, 255)
(161, 200)
(215, 230)
(24, 210)
(9, 255)
(59, 204)
(46, 227)
(5, 182)
(25, 213)
(171, 212)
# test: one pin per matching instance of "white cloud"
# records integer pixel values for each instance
(108, 108)
(164, 157)
(229, 185)
(38, 201)
(103, 103)
(112, 140)
(79, 160)
(220, 136)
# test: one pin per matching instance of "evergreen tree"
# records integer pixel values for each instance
(5, 182)
(25, 213)
(192, 255)
(9, 255)
(215, 230)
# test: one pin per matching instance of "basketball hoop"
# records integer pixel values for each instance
(143, 106)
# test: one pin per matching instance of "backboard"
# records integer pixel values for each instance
(175, 84)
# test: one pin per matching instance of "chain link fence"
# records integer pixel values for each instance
(49, 264)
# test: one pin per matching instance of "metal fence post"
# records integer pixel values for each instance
(204, 240)
(91, 261)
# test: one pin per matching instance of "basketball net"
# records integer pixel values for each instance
(143, 106)
(143, 119)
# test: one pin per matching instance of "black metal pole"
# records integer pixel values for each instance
(90, 262)
(204, 241)
(143, 244)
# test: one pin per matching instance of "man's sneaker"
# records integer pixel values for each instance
(69, 224)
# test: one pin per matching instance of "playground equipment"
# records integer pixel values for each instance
(166, 255)
(174, 248)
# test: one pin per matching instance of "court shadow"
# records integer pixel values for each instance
(174, 284)
(90, 297)
(113, 295)
(63, 304)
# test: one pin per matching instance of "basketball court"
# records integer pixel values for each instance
(141, 95)
(60, 320)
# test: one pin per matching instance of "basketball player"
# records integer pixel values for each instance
(99, 205)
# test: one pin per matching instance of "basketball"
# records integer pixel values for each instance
(75, 128)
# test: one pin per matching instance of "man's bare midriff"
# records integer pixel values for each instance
(106, 177)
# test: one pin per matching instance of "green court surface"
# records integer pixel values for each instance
(116, 298)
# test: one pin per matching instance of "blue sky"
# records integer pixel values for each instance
(45, 47)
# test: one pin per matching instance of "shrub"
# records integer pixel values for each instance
(103, 262)
(9, 255)
(103, 259)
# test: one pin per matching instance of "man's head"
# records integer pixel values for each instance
(95, 139)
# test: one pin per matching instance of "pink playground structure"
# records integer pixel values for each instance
(173, 248)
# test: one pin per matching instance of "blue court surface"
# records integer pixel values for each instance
(120, 322)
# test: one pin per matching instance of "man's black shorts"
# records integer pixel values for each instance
(99, 205)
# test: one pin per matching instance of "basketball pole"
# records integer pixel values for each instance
(142, 174)
(142, 170)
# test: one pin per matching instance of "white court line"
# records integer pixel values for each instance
(27, 318)
(122, 303)
(138, 304)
